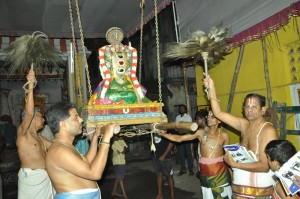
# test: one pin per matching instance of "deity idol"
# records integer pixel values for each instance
(118, 64)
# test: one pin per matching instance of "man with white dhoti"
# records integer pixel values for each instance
(250, 180)
(33, 180)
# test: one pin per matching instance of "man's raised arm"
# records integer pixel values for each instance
(233, 121)
(29, 104)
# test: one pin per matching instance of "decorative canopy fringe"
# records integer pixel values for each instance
(267, 26)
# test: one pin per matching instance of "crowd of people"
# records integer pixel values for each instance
(48, 171)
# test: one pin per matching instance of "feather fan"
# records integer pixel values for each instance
(215, 43)
(30, 50)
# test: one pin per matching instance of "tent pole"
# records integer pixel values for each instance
(187, 97)
(266, 71)
(235, 76)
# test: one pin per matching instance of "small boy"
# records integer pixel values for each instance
(279, 152)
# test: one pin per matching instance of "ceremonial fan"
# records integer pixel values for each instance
(202, 48)
(31, 50)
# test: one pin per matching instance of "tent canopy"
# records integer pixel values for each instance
(19, 17)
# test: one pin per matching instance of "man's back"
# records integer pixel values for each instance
(31, 151)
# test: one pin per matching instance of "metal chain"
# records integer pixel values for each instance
(133, 131)
(136, 132)
(158, 59)
(83, 49)
(75, 55)
(157, 52)
(142, 6)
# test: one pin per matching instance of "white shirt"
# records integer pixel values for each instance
(185, 118)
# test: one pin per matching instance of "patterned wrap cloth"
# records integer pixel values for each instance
(214, 178)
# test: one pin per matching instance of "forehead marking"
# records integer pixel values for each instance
(250, 102)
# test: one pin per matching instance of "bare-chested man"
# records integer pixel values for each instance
(250, 180)
(33, 181)
(214, 175)
(74, 175)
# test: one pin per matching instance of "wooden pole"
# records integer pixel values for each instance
(191, 126)
(266, 71)
(235, 76)
(187, 97)
(90, 130)
(205, 57)
(297, 28)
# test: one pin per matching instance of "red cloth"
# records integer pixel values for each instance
(267, 26)
(212, 169)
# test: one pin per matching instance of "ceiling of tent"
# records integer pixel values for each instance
(19, 17)
(237, 15)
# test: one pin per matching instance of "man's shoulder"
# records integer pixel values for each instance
(26, 136)
(57, 150)
(268, 133)
(188, 116)
(268, 127)
(60, 155)
(224, 133)
(200, 132)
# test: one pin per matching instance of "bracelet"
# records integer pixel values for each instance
(103, 142)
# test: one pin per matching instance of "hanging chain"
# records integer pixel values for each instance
(137, 132)
(83, 49)
(75, 55)
(157, 52)
(142, 6)
(131, 132)
(158, 59)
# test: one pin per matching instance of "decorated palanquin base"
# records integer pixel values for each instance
(119, 97)
(123, 114)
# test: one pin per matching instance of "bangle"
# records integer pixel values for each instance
(103, 142)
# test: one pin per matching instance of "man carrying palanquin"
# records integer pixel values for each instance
(214, 174)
